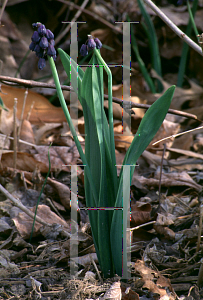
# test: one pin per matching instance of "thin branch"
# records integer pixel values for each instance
(22, 207)
(161, 170)
(32, 83)
(78, 13)
(94, 16)
(180, 33)
(178, 134)
(2, 10)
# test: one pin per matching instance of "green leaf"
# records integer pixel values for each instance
(2, 105)
(74, 72)
(97, 154)
(149, 126)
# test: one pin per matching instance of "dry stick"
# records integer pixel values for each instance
(22, 207)
(32, 83)
(161, 168)
(95, 266)
(200, 228)
(180, 33)
(29, 112)
(15, 133)
(2, 10)
(178, 134)
(200, 275)
(94, 16)
(22, 112)
(78, 13)
(142, 225)
(20, 141)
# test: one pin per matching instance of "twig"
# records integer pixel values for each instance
(178, 134)
(94, 16)
(78, 13)
(200, 228)
(22, 207)
(94, 264)
(20, 141)
(161, 168)
(2, 9)
(200, 275)
(180, 33)
(142, 225)
(15, 132)
(22, 112)
(32, 83)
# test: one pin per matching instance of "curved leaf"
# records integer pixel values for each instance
(149, 126)
(74, 72)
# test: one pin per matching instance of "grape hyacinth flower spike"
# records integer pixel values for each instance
(42, 44)
(90, 44)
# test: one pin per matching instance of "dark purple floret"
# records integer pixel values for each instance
(98, 43)
(32, 46)
(52, 42)
(35, 37)
(37, 48)
(49, 34)
(41, 30)
(35, 25)
(83, 50)
(51, 51)
(44, 43)
(91, 43)
(39, 51)
(41, 63)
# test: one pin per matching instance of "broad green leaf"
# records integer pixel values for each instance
(65, 58)
(149, 126)
(74, 72)
(96, 151)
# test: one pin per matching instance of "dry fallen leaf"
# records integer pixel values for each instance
(24, 162)
(172, 179)
(63, 192)
(27, 135)
(42, 112)
(150, 276)
(23, 222)
(114, 293)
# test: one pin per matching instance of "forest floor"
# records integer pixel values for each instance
(166, 191)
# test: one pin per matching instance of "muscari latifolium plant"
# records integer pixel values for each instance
(103, 188)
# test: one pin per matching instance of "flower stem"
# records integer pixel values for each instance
(70, 123)
(110, 106)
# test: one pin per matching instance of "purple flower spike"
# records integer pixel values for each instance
(49, 34)
(44, 43)
(35, 37)
(83, 50)
(91, 43)
(41, 30)
(98, 43)
(41, 63)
